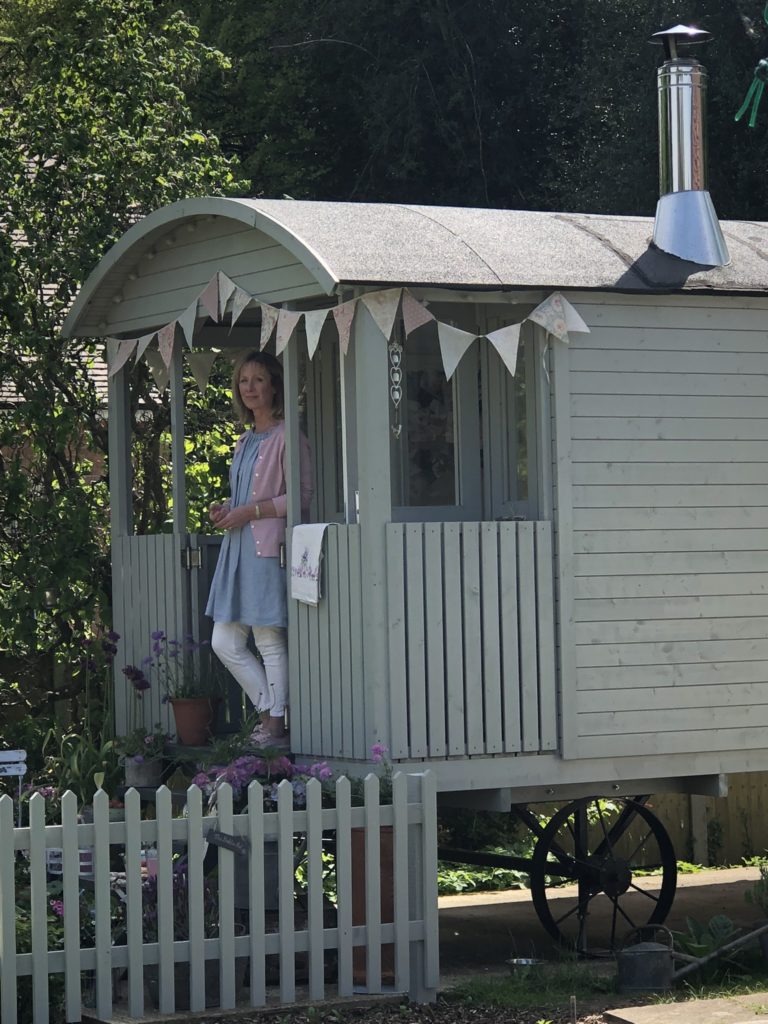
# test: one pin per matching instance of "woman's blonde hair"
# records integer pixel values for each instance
(275, 371)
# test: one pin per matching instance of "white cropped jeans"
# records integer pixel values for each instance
(266, 686)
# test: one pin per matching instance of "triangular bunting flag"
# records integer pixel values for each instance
(240, 303)
(313, 326)
(453, 344)
(269, 316)
(383, 308)
(414, 313)
(141, 347)
(200, 363)
(157, 368)
(344, 315)
(209, 297)
(287, 319)
(550, 315)
(572, 319)
(226, 288)
(118, 353)
(187, 322)
(506, 341)
(165, 337)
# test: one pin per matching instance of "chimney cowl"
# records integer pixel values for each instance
(686, 224)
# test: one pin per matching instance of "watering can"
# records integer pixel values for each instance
(647, 966)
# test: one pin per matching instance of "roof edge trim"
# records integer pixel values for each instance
(246, 212)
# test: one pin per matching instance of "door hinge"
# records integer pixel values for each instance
(191, 558)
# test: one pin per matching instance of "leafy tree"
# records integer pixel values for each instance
(490, 103)
(95, 131)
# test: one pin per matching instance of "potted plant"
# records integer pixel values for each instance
(141, 752)
(190, 680)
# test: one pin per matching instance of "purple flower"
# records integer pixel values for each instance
(138, 759)
(141, 684)
(149, 740)
(158, 634)
(378, 752)
(113, 636)
(322, 771)
(57, 906)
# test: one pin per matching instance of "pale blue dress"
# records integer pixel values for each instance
(246, 588)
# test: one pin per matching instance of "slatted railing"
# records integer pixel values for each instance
(471, 638)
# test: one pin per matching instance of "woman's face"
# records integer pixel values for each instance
(256, 391)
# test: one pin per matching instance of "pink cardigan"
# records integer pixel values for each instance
(268, 484)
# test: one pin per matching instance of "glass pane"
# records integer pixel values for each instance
(423, 441)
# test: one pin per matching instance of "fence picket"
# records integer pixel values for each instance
(7, 916)
(285, 898)
(39, 910)
(143, 953)
(70, 879)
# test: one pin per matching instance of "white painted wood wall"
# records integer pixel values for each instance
(668, 435)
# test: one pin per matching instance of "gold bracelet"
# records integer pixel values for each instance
(257, 508)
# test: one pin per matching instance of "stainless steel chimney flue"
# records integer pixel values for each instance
(686, 223)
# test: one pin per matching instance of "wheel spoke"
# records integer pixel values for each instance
(606, 834)
(623, 913)
(567, 914)
(639, 846)
(645, 892)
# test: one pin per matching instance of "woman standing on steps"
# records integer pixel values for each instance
(248, 591)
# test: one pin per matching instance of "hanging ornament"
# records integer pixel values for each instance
(396, 382)
(757, 85)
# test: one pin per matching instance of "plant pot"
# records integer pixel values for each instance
(143, 773)
(387, 884)
(193, 716)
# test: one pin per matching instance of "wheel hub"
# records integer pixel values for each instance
(613, 876)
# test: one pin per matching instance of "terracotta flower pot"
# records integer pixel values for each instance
(193, 716)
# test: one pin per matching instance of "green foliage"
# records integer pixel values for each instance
(452, 880)
(95, 131)
(758, 894)
(702, 939)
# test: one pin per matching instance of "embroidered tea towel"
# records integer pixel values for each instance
(306, 552)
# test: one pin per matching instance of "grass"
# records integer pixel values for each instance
(549, 984)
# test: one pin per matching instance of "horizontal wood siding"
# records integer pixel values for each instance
(471, 638)
(669, 423)
(185, 262)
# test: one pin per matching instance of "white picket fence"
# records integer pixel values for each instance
(318, 946)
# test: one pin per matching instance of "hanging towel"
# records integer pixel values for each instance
(306, 552)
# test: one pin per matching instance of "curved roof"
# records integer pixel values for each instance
(382, 244)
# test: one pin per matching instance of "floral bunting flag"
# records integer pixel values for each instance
(226, 288)
(201, 363)
(506, 341)
(415, 314)
(287, 319)
(269, 316)
(165, 337)
(344, 315)
(187, 322)
(550, 314)
(383, 308)
(141, 345)
(209, 297)
(240, 303)
(157, 368)
(453, 344)
(313, 326)
(118, 353)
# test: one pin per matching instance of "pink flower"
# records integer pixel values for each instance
(378, 752)
(57, 906)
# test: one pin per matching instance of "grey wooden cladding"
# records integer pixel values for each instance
(147, 574)
(471, 638)
(669, 422)
(327, 697)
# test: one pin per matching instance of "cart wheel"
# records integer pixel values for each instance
(580, 846)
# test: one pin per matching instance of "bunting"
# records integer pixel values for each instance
(344, 315)
(268, 320)
(313, 326)
(453, 344)
(287, 320)
(555, 314)
(118, 353)
(201, 364)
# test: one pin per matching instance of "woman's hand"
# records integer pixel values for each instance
(217, 510)
(236, 518)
